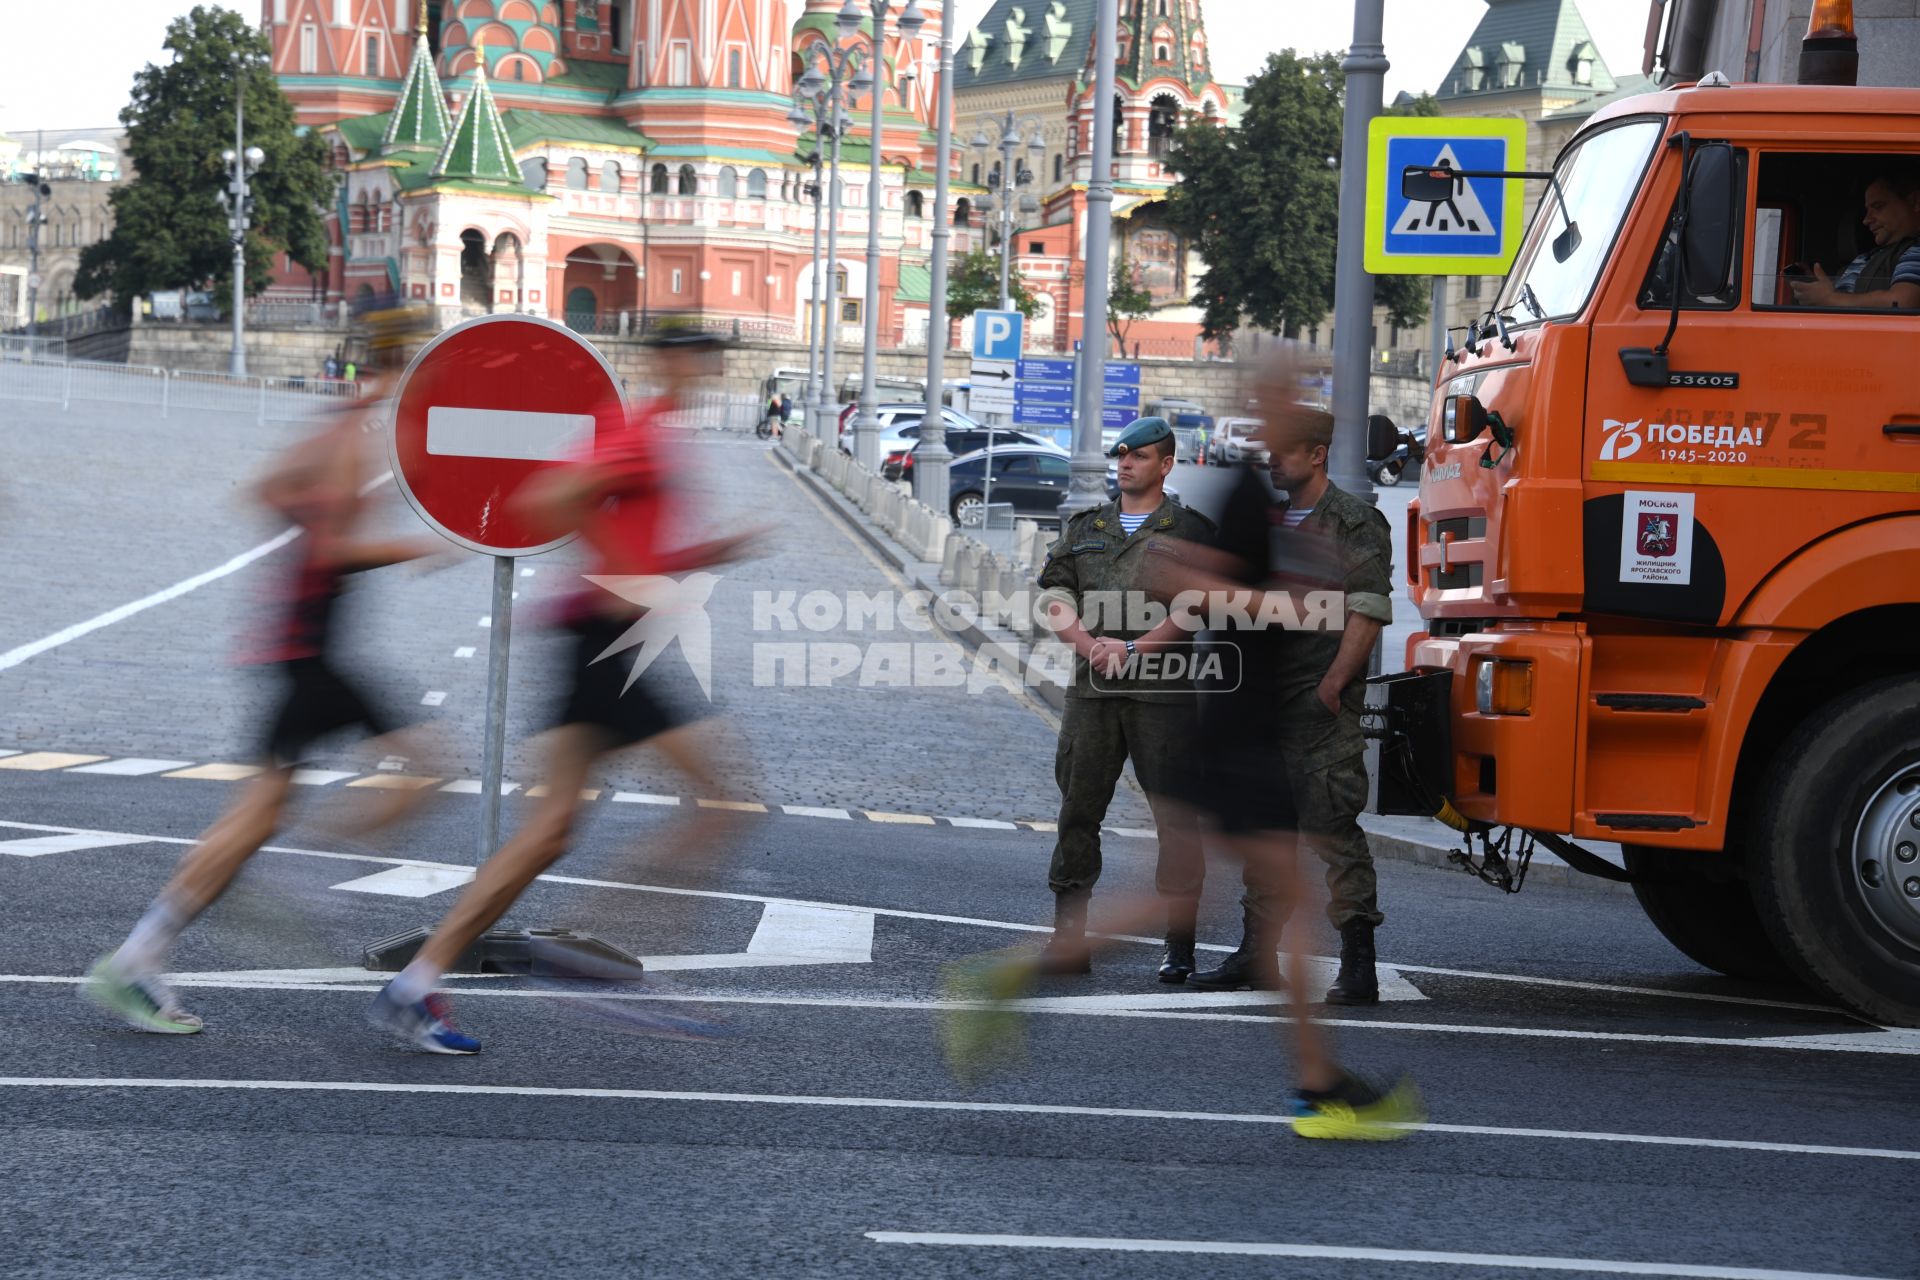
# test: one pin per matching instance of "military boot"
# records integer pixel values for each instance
(1066, 950)
(1356, 983)
(1251, 966)
(1182, 916)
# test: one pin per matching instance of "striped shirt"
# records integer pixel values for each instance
(1906, 269)
(1132, 523)
(1294, 515)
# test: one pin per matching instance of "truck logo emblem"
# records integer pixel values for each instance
(1623, 439)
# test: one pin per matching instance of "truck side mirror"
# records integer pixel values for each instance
(1382, 437)
(1713, 214)
(1427, 186)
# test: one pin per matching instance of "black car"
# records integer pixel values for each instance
(1032, 478)
(897, 464)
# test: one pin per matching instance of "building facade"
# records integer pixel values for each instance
(82, 167)
(604, 162)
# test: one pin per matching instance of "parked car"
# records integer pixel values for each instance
(1032, 477)
(897, 411)
(1191, 426)
(896, 461)
(1236, 440)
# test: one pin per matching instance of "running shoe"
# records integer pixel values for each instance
(983, 1029)
(142, 1000)
(425, 1024)
(1357, 1111)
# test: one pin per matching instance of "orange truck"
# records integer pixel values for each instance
(1667, 540)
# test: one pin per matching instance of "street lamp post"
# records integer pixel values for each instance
(813, 111)
(36, 216)
(933, 459)
(1014, 178)
(1366, 67)
(866, 426)
(846, 72)
(242, 162)
(1087, 482)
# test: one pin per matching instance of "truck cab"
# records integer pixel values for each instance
(1667, 538)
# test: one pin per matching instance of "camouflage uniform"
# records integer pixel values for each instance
(1325, 753)
(1102, 728)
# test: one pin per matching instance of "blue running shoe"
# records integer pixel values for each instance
(425, 1024)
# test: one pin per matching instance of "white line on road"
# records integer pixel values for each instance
(40, 846)
(14, 657)
(131, 767)
(464, 651)
(433, 698)
(812, 811)
(1343, 1253)
(1883, 1042)
(913, 1104)
(408, 882)
(641, 797)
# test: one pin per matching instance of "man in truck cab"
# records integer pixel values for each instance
(1888, 275)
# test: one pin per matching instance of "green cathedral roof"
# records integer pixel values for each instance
(420, 116)
(479, 149)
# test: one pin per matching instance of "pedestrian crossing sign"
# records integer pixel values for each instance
(1475, 229)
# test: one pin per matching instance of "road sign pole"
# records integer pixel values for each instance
(494, 750)
(1438, 305)
(1087, 475)
(1365, 67)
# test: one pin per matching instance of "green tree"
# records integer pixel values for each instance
(1260, 203)
(169, 230)
(973, 283)
(1127, 299)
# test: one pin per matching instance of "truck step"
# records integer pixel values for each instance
(1649, 701)
(1645, 821)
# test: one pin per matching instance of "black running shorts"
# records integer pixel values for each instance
(598, 693)
(314, 701)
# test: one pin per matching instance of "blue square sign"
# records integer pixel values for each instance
(997, 335)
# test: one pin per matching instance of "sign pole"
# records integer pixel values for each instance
(494, 752)
(1438, 305)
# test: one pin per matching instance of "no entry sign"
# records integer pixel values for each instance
(483, 407)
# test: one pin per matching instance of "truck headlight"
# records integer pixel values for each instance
(1503, 687)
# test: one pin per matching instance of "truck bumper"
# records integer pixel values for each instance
(1510, 759)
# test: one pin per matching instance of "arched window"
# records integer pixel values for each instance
(1162, 119)
(610, 177)
(1162, 54)
(576, 174)
(729, 183)
(916, 205)
(757, 184)
(963, 213)
(657, 180)
(689, 182)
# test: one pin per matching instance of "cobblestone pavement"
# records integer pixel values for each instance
(106, 505)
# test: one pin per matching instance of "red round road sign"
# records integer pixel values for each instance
(484, 406)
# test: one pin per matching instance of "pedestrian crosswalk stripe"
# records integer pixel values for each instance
(394, 781)
(131, 766)
(40, 761)
(319, 777)
(216, 772)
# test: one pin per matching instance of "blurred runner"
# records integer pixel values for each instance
(321, 485)
(1241, 784)
(622, 501)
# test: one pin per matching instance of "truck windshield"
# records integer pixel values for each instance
(1599, 175)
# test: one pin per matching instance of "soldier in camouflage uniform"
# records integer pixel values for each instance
(1114, 712)
(1320, 682)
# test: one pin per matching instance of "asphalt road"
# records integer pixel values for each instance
(1600, 1105)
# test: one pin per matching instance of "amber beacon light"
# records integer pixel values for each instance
(1830, 54)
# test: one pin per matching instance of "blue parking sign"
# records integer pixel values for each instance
(997, 335)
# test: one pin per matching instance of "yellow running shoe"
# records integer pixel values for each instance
(1356, 1111)
(983, 1031)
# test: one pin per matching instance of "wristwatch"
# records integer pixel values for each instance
(1130, 649)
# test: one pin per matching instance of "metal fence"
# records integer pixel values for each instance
(20, 349)
(62, 382)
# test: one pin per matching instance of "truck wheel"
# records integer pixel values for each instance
(1712, 921)
(1836, 859)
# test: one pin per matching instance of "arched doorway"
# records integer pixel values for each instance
(508, 273)
(600, 285)
(476, 274)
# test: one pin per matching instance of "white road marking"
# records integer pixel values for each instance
(487, 620)
(319, 777)
(641, 797)
(214, 977)
(45, 761)
(216, 772)
(14, 657)
(1393, 988)
(131, 766)
(40, 846)
(433, 698)
(1615, 988)
(1873, 1043)
(815, 811)
(9, 753)
(1137, 833)
(464, 651)
(408, 882)
(983, 824)
(902, 1104)
(526, 573)
(790, 935)
(1345, 1253)
(471, 787)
